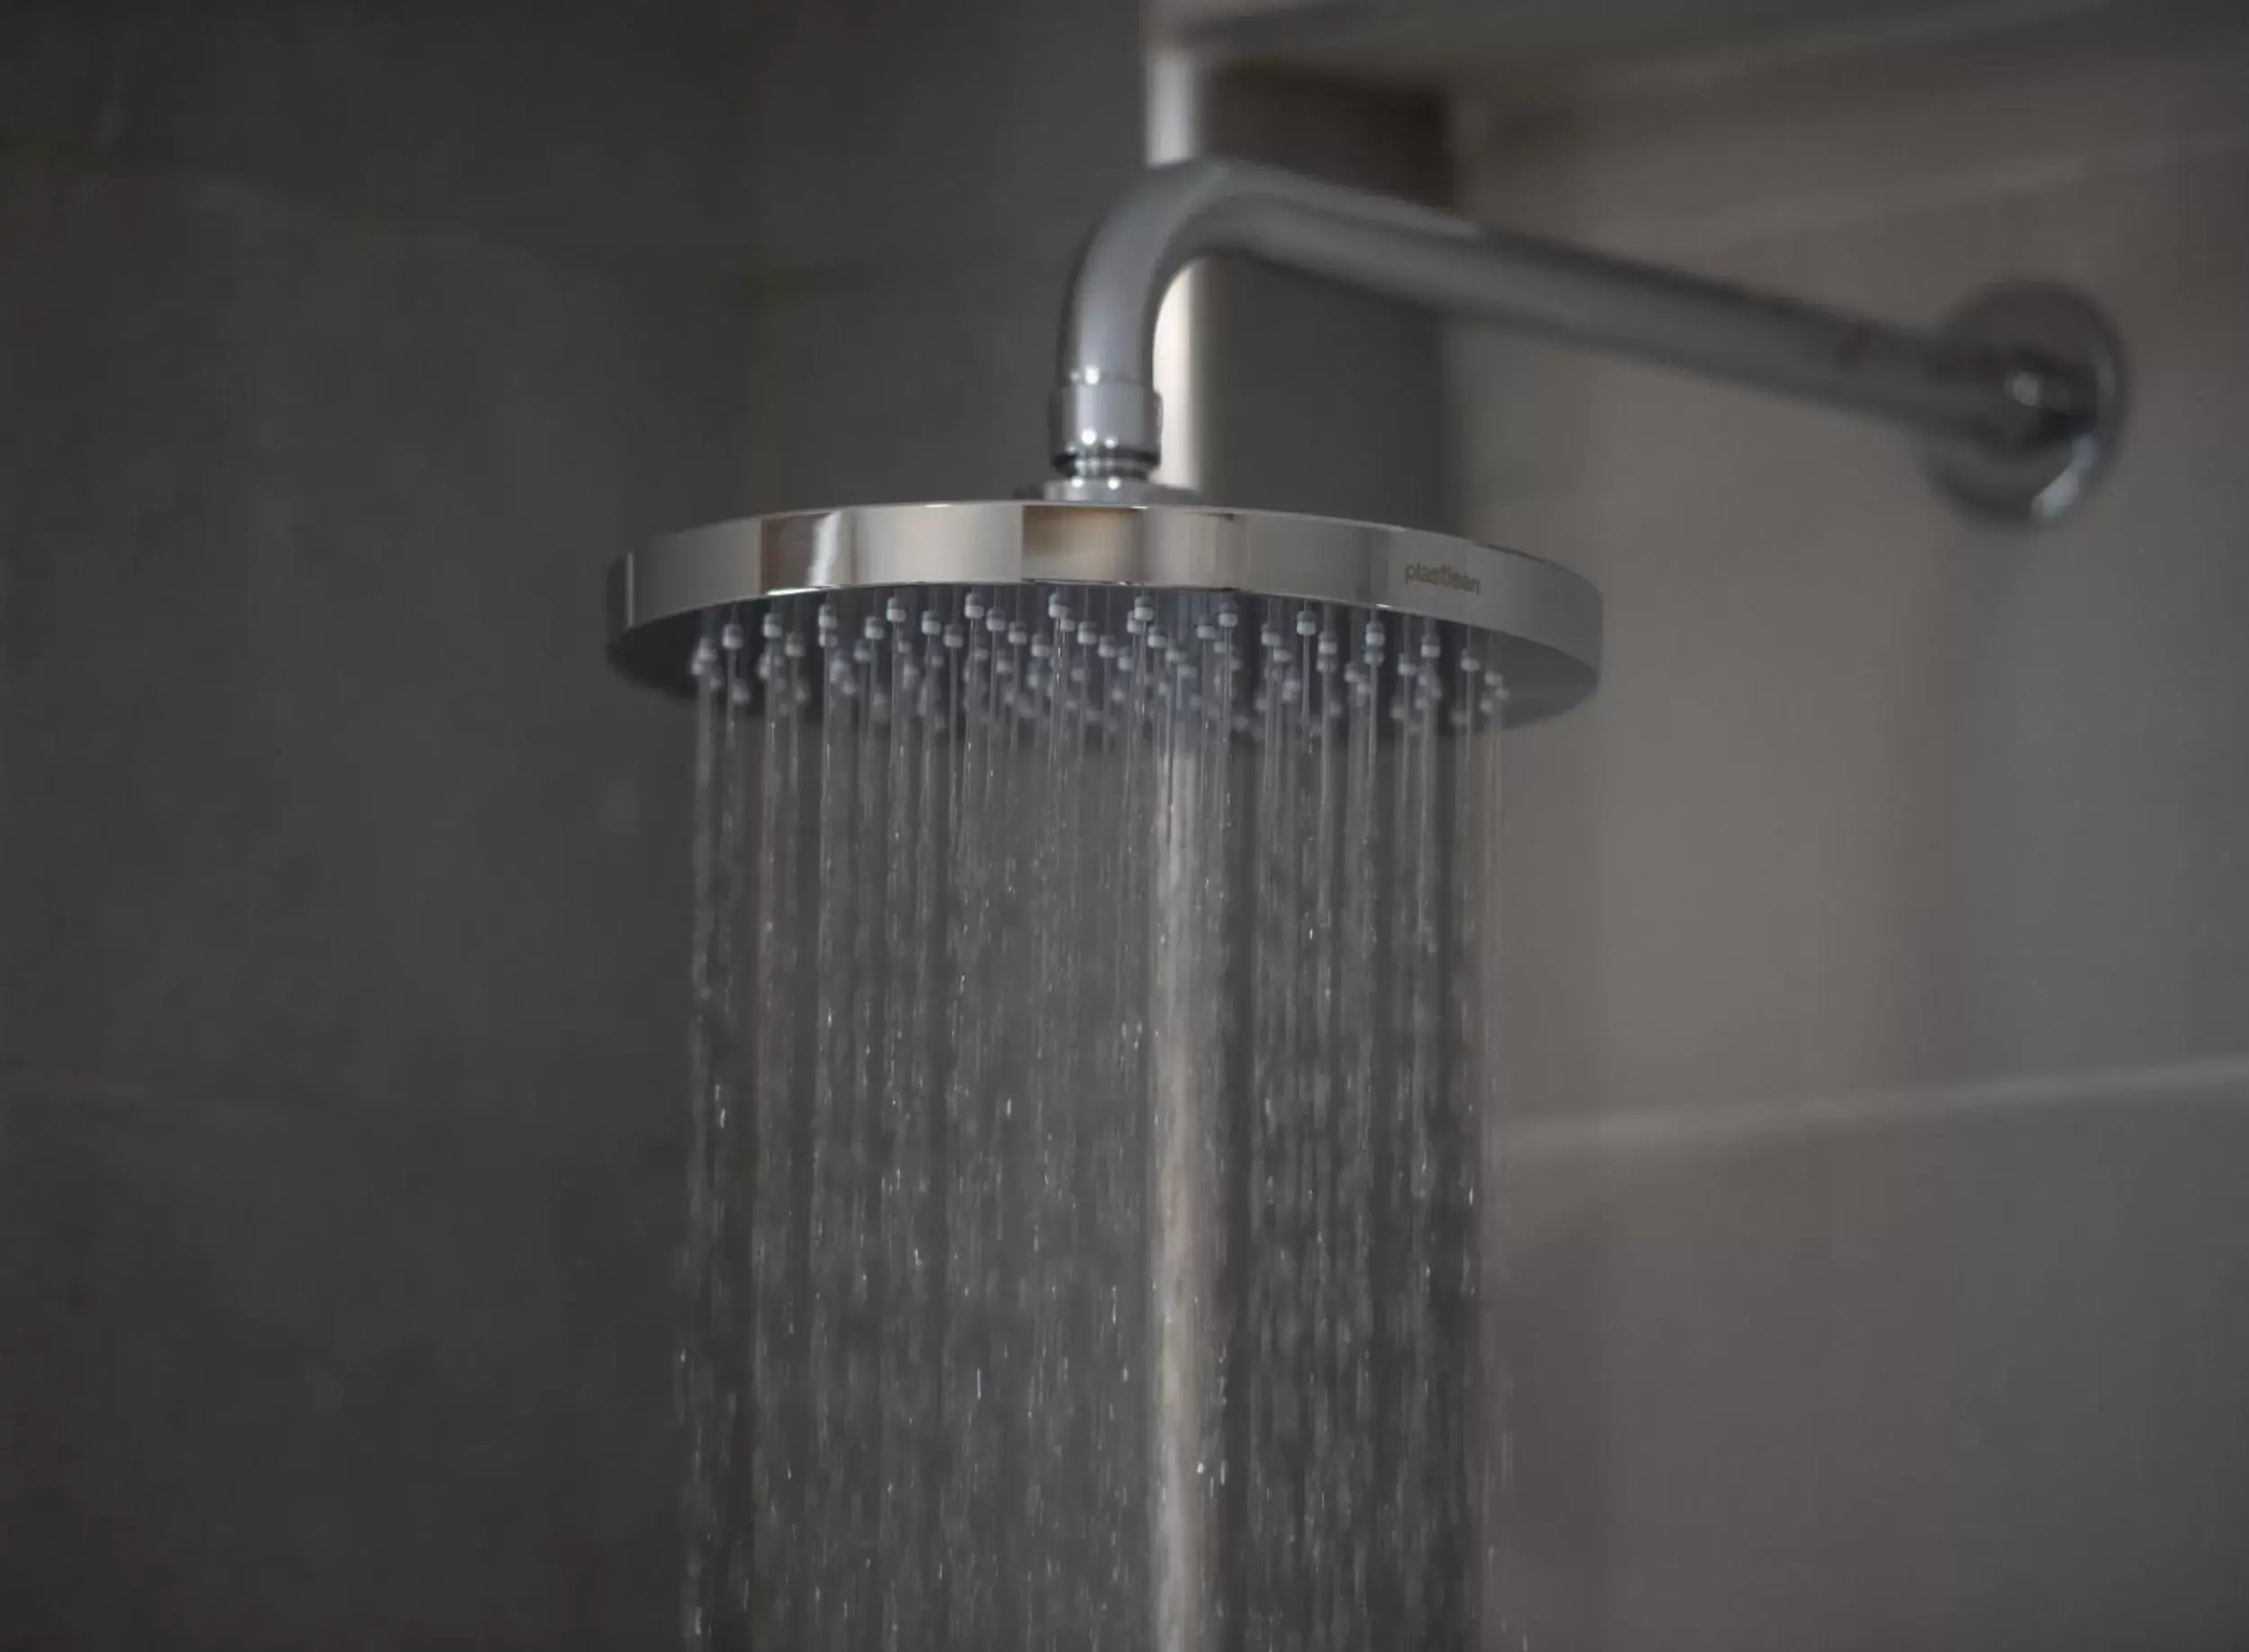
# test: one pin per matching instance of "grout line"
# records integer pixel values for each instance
(1688, 1128)
(173, 1102)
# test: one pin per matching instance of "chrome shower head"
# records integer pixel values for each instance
(2019, 397)
(1537, 625)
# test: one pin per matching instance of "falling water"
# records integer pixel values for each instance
(1088, 1100)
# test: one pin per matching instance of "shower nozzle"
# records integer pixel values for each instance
(1539, 624)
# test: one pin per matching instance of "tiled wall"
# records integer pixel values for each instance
(1286, 368)
(922, 178)
(338, 957)
(341, 933)
(1879, 937)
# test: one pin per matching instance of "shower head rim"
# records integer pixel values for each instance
(1545, 620)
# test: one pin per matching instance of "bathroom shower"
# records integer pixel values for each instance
(1093, 1056)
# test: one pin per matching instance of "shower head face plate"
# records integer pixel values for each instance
(1543, 622)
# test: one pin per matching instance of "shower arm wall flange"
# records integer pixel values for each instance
(2018, 396)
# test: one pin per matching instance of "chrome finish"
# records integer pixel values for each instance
(1546, 621)
(1998, 392)
(2039, 482)
(1109, 426)
(1111, 490)
(1105, 406)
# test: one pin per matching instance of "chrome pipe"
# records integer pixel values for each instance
(2006, 393)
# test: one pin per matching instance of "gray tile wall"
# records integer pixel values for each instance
(340, 886)
(1879, 938)
(1310, 397)
(924, 176)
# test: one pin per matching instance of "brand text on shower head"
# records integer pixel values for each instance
(1436, 573)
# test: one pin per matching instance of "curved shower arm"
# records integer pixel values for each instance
(2010, 397)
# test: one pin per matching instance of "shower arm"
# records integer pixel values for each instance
(2018, 395)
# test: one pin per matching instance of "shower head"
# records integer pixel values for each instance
(2018, 399)
(1540, 623)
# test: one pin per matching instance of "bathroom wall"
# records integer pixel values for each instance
(1880, 936)
(1283, 367)
(922, 176)
(341, 932)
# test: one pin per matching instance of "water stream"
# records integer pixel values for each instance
(1090, 1091)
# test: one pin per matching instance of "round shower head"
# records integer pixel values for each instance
(1544, 621)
